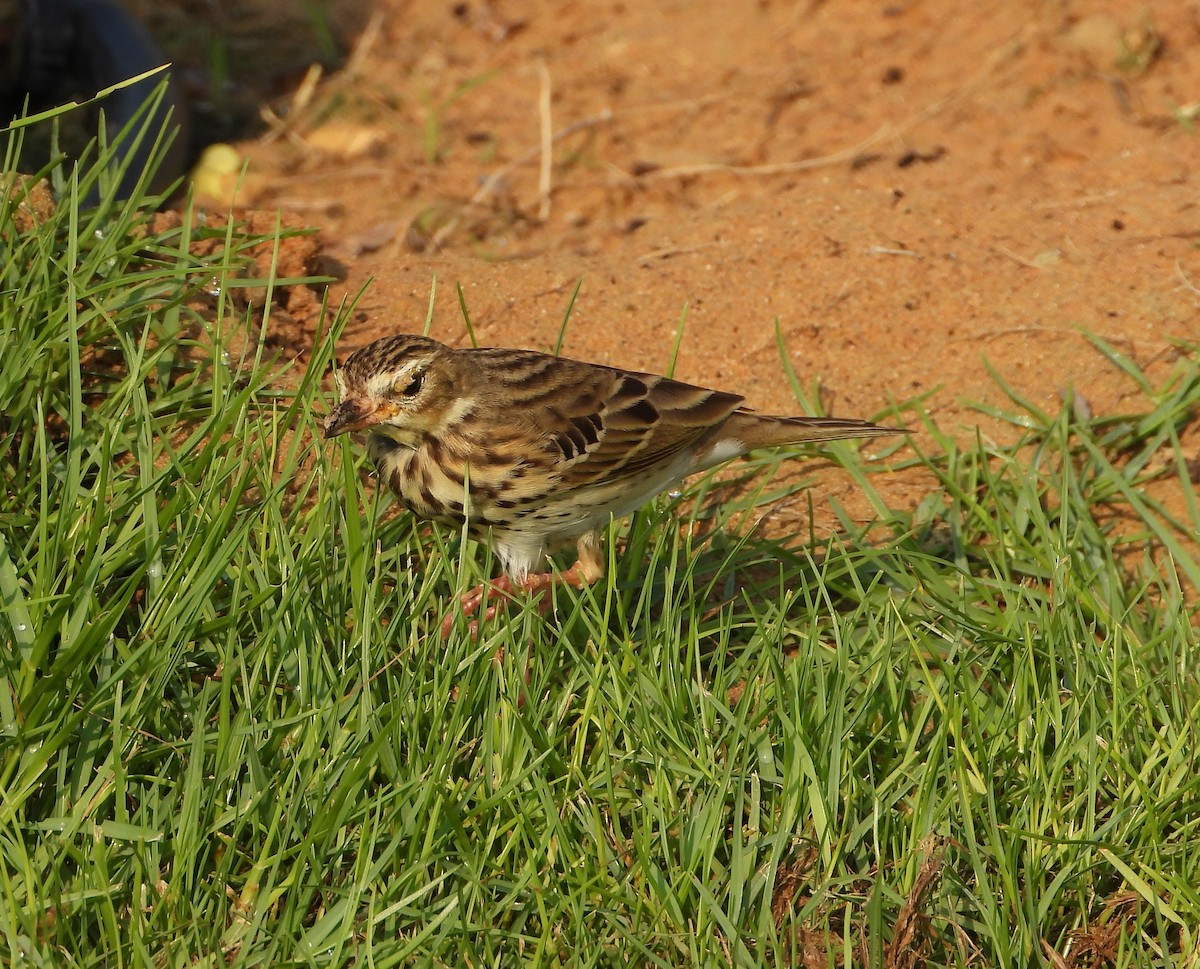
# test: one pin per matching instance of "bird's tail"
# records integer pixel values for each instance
(763, 430)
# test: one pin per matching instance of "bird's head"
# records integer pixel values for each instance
(401, 387)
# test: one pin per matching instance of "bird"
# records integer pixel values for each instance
(532, 452)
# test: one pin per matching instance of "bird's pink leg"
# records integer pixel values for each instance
(587, 569)
(501, 586)
(502, 589)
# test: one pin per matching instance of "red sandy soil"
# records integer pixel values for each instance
(914, 190)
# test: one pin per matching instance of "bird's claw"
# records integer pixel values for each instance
(503, 588)
(471, 601)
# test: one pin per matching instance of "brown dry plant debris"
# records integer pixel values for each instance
(912, 935)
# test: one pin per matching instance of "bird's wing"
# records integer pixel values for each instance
(595, 424)
(618, 423)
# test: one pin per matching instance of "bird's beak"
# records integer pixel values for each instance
(355, 413)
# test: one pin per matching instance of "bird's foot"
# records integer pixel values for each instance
(500, 588)
(504, 589)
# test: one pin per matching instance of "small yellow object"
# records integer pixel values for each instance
(221, 176)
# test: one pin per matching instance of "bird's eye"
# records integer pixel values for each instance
(414, 386)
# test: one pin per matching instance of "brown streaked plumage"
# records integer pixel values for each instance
(534, 451)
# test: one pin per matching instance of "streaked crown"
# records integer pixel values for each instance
(377, 367)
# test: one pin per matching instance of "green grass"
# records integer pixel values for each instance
(231, 735)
